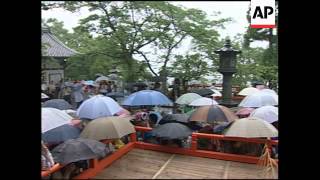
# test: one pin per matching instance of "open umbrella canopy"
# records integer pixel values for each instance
(175, 117)
(248, 91)
(74, 150)
(102, 78)
(267, 113)
(147, 97)
(213, 114)
(269, 91)
(187, 98)
(244, 111)
(203, 92)
(61, 134)
(172, 131)
(108, 128)
(58, 104)
(71, 112)
(259, 99)
(203, 101)
(44, 96)
(52, 118)
(216, 93)
(98, 106)
(251, 127)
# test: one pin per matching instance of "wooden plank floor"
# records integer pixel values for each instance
(146, 164)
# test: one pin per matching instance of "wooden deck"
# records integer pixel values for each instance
(146, 164)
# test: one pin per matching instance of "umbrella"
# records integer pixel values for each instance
(204, 101)
(58, 104)
(269, 91)
(248, 91)
(267, 113)
(259, 99)
(44, 96)
(216, 93)
(147, 97)
(187, 98)
(203, 92)
(98, 106)
(74, 150)
(52, 118)
(244, 111)
(211, 114)
(251, 127)
(102, 78)
(108, 128)
(172, 131)
(61, 134)
(71, 112)
(175, 117)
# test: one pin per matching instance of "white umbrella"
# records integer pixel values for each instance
(267, 113)
(204, 101)
(102, 78)
(187, 98)
(98, 106)
(269, 91)
(44, 96)
(216, 93)
(251, 127)
(259, 99)
(71, 112)
(248, 91)
(52, 118)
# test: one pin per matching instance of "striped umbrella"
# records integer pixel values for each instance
(213, 114)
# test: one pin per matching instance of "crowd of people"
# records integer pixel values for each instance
(148, 116)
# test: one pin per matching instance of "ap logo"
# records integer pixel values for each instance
(263, 14)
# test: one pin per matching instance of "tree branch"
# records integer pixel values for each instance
(148, 62)
(108, 16)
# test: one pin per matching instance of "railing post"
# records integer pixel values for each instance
(93, 163)
(133, 137)
(194, 142)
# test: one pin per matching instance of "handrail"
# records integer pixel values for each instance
(218, 136)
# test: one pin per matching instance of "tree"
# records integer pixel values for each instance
(267, 65)
(189, 67)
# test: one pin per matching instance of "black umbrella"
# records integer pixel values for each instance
(58, 104)
(172, 131)
(203, 92)
(74, 150)
(175, 117)
(61, 134)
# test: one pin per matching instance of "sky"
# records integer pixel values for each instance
(236, 10)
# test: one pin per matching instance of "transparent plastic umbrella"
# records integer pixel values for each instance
(187, 98)
(266, 113)
(204, 101)
(52, 118)
(98, 106)
(259, 99)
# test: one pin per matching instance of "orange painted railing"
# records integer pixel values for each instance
(98, 165)
(193, 150)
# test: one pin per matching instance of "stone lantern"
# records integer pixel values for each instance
(227, 67)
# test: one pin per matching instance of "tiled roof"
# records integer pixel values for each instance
(54, 47)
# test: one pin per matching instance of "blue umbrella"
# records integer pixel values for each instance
(61, 134)
(147, 98)
(58, 104)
